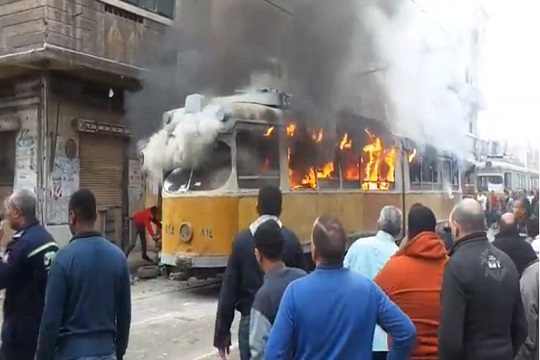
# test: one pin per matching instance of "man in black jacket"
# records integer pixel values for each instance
(243, 276)
(482, 315)
(513, 244)
(23, 273)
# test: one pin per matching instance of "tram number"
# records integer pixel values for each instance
(207, 233)
(169, 229)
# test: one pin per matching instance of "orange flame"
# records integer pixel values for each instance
(345, 143)
(269, 131)
(317, 135)
(380, 163)
(326, 172)
(291, 128)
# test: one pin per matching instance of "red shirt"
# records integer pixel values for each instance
(143, 219)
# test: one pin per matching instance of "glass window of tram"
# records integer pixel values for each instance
(212, 173)
(424, 170)
(257, 157)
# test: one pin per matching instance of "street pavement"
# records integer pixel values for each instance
(174, 320)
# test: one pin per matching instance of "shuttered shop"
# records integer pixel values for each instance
(102, 172)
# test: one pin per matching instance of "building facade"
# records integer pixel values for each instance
(65, 68)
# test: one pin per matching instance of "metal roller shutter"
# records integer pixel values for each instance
(102, 172)
(102, 159)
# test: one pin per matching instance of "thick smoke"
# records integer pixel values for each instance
(391, 61)
(428, 54)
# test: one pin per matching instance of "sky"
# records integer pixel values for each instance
(509, 75)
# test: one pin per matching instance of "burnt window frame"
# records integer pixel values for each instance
(257, 179)
(426, 182)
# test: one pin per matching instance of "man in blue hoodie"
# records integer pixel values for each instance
(87, 304)
(332, 313)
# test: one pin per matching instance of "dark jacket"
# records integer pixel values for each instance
(517, 247)
(23, 273)
(529, 296)
(265, 307)
(481, 311)
(88, 307)
(243, 277)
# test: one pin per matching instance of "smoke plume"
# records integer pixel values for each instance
(395, 62)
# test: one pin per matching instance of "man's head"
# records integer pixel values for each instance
(420, 219)
(82, 211)
(328, 241)
(21, 209)
(269, 244)
(390, 220)
(466, 218)
(269, 201)
(507, 224)
(154, 212)
(521, 209)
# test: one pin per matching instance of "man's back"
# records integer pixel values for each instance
(243, 278)
(88, 301)
(331, 314)
(482, 315)
(266, 305)
(517, 248)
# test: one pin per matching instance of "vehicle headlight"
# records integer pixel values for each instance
(186, 232)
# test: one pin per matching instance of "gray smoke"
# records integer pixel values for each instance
(385, 60)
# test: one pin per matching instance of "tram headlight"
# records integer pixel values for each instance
(186, 232)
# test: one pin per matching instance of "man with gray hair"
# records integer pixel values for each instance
(23, 273)
(367, 256)
(482, 315)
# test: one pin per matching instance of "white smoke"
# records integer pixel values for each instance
(183, 140)
(426, 53)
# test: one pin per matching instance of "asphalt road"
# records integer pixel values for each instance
(174, 320)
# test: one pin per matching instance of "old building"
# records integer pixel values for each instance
(65, 68)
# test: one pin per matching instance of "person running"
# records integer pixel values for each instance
(23, 274)
(331, 313)
(268, 251)
(412, 278)
(87, 311)
(367, 256)
(243, 276)
(482, 314)
(143, 221)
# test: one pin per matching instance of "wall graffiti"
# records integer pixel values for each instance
(25, 160)
(63, 182)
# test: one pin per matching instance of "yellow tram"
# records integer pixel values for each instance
(350, 175)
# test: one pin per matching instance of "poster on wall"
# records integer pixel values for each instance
(26, 161)
(63, 182)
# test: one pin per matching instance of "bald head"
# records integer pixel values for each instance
(507, 224)
(467, 217)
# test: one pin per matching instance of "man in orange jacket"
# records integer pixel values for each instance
(143, 221)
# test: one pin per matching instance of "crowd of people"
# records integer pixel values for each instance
(385, 297)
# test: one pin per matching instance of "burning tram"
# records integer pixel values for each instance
(350, 175)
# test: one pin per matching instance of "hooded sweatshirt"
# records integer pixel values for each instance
(412, 278)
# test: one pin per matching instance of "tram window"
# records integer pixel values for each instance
(424, 171)
(257, 157)
(451, 173)
(211, 174)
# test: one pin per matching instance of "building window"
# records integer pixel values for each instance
(7, 158)
(161, 7)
